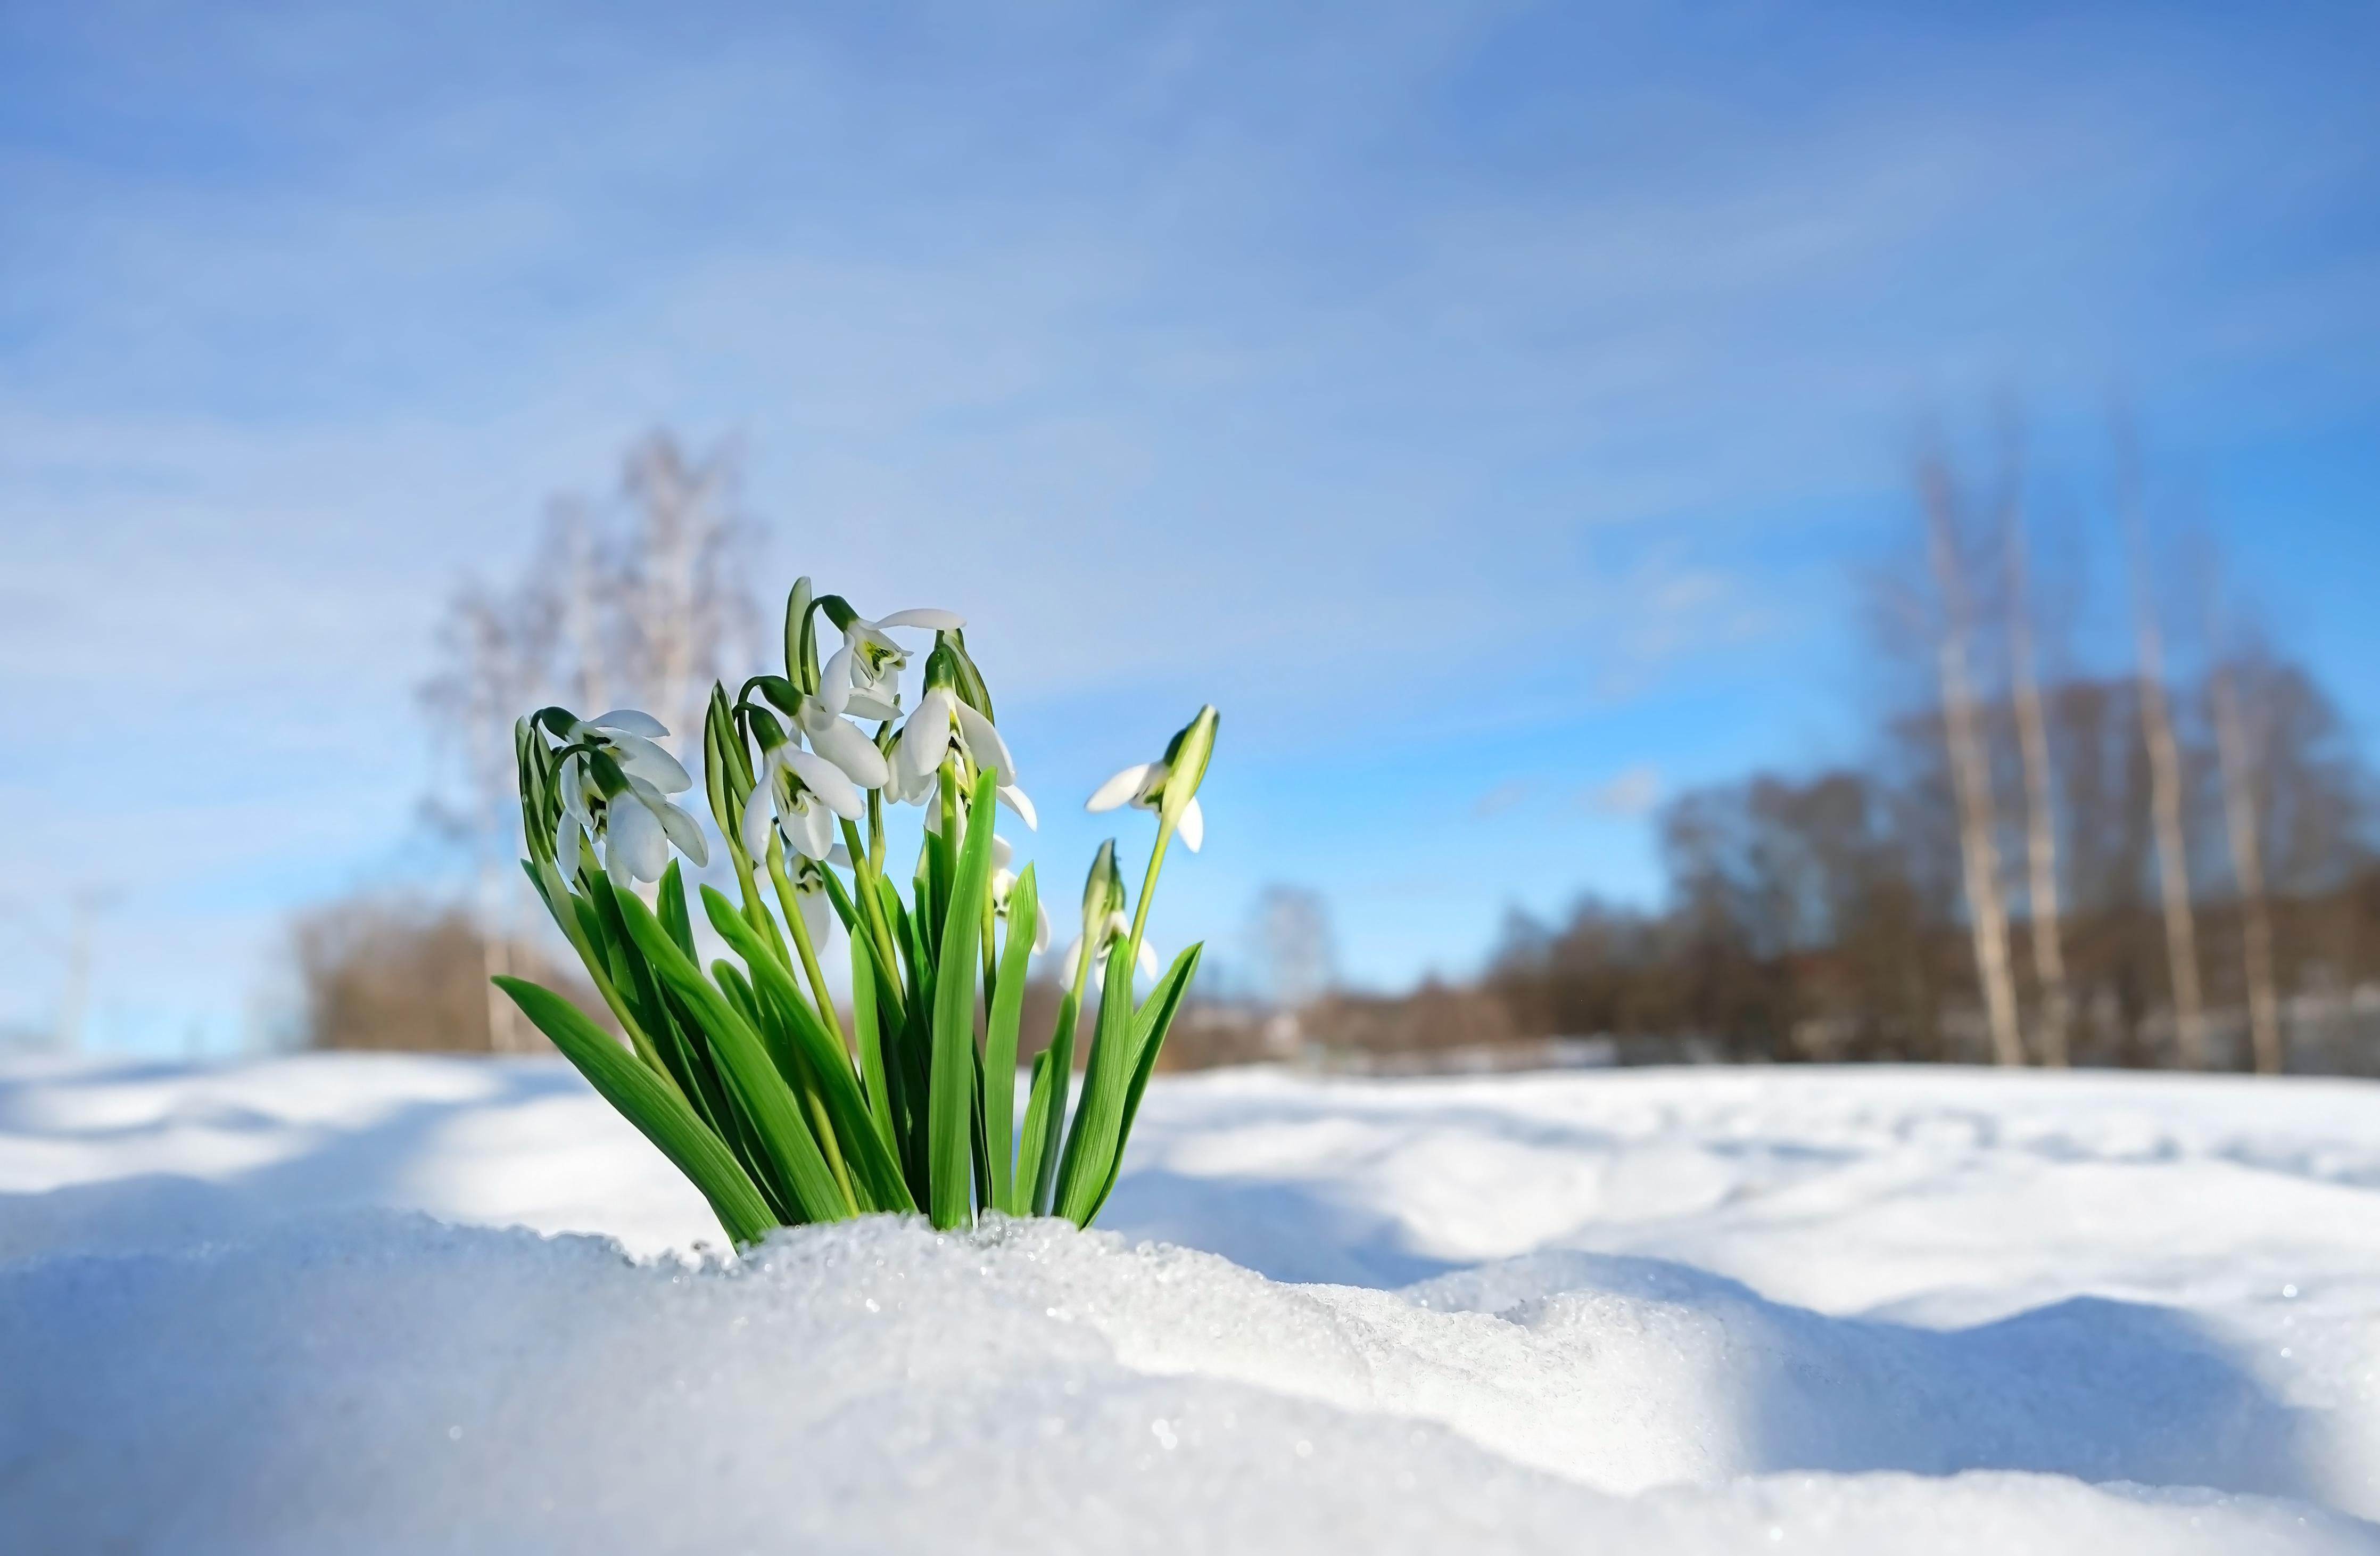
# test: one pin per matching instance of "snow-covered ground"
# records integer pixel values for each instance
(1882, 1311)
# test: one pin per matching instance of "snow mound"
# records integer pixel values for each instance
(374, 1382)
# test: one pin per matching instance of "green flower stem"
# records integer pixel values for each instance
(811, 1097)
(871, 906)
(944, 846)
(875, 851)
(1148, 890)
(790, 901)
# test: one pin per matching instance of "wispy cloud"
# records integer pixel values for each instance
(1631, 792)
(1332, 364)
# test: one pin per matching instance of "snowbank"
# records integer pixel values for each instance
(1670, 1312)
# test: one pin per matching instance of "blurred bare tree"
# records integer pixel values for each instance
(2165, 760)
(637, 602)
(1291, 944)
(2055, 1004)
(1970, 768)
(2237, 750)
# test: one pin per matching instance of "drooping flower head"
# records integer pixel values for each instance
(1170, 785)
(798, 793)
(946, 722)
(614, 784)
(863, 677)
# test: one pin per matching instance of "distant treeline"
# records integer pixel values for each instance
(1824, 918)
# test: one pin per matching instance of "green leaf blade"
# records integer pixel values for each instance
(766, 1101)
(1092, 1141)
(657, 1109)
(950, 1089)
(1000, 1046)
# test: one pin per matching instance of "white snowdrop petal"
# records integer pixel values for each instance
(844, 746)
(1192, 826)
(637, 843)
(818, 917)
(812, 829)
(629, 721)
(1125, 785)
(574, 789)
(639, 757)
(834, 681)
(1148, 959)
(940, 621)
(755, 828)
(682, 830)
(1041, 928)
(1016, 799)
(929, 728)
(984, 744)
(1002, 852)
(830, 783)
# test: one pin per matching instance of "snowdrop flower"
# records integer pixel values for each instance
(1003, 881)
(863, 679)
(844, 744)
(1116, 927)
(809, 879)
(1168, 786)
(1141, 786)
(941, 720)
(806, 792)
(616, 784)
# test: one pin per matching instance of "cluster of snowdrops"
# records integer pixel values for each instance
(745, 1073)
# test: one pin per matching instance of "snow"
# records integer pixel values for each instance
(1875, 1310)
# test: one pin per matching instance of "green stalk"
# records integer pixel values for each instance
(655, 1106)
(952, 1087)
(871, 902)
(790, 901)
(1148, 892)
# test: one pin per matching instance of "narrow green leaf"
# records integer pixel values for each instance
(1032, 1184)
(1093, 1137)
(739, 994)
(675, 1050)
(673, 917)
(657, 1110)
(1149, 1029)
(1044, 1111)
(826, 1064)
(766, 1102)
(869, 1036)
(1000, 1046)
(951, 1083)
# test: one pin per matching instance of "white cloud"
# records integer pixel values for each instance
(1176, 346)
(1631, 792)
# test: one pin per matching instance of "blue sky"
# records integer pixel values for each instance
(1487, 406)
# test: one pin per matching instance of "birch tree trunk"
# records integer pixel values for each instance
(1970, 775)
(2248, 865)
(2040, 818)
(2164, 781)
